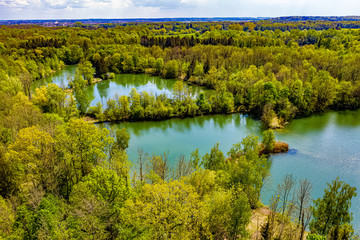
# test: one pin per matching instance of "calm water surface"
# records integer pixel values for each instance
(121, 85)
(60, 78)
(323, 146)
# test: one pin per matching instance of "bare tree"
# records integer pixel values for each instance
(303, 200)
(285, 190)
(142, 158)
(159, 164)
(183, 168)
(269, 227)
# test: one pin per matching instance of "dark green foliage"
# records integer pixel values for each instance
(265, 232)
(171, 69)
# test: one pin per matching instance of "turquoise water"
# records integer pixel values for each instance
(324, 146)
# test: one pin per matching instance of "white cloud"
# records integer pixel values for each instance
(15, 9)
(14, 3)
(62, 4)
(165, 4)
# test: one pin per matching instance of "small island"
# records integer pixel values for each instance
(270, 146)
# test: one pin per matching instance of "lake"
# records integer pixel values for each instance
(324, 146)
(121, 85)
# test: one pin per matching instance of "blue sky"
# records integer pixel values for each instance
(56, 9)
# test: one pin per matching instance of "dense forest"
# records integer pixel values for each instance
(269, 74)
(62, 177)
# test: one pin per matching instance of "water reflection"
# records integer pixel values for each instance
(323, 146)
(121, 85)
(182, 136)
(60, 78)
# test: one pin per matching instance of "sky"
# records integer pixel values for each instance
(82, 9)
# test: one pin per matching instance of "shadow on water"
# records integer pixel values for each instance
(292, 152)
(180, 125)
(347, 118)
(314, 123)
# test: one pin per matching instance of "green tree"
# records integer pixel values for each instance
(344, 231)
(204, 105)
(268, 140)
(198, 70)
(49, 98)
(81, 146)
(98, 201)
(179, 90)
(122, 139)
(325, 88)
(167, 210)
(11, 85)
(171, 69)
(53, 220)
(332, 210)
(228, 214)
(159, 65)
(136, 110)
(70, 109)
(215, 160)
(87, 71)
(82, 99)
(97, 112)
(247, 168)
(32, 153)
(7, 218)
(158, 167)
(26, 79)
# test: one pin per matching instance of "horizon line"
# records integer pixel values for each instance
(155, 18)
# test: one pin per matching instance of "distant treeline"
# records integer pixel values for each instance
(260, 25)
(185, 41)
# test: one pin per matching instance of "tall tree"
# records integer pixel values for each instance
(82, 99)
(332, 210)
